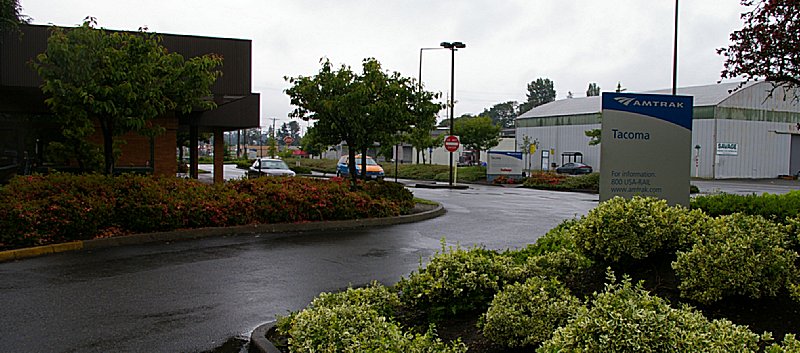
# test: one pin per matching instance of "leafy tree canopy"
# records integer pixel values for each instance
(593, 90)
(767, 46)
(11, 15)
(120, 80)
(503, 114)
(540, 91)
(477, 133)
(360, 108)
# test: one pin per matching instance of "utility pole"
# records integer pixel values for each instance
(274, 143)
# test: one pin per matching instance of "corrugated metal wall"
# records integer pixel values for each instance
(560, 139)
(762, 152)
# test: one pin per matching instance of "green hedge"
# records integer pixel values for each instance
(39, 210)
(456, 281)
(357, 320)
(740, 255)
(626, 318)
(526, 314)
(622, 230)
(770, 206)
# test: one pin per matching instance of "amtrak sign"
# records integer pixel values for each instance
(646, 146)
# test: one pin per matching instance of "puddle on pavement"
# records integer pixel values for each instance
(236, 344)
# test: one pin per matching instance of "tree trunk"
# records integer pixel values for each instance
(363, 162)
(107, 128)
(351, 165)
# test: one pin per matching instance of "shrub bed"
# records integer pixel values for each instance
(621, 230)
(526, 314)
(740, 255)
(626, 318)
(356, 322)
(553, 181)
(516, 298)
(770, 206)
(39, 210)
(455, 282)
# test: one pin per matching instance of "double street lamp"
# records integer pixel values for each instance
(453, 46)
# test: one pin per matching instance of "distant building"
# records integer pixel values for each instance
(741, 133)
(26, 130)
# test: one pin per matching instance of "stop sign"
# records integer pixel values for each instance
(451, 143)
(288, 140)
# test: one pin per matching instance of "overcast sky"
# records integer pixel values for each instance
(509, 42)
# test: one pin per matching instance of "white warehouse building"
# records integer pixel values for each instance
(744, 133)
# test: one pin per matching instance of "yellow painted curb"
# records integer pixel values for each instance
(39, 251)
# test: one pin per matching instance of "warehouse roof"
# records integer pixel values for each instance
(708, 95)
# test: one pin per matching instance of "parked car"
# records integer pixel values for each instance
(574, 169)
(269, 167)
(374, 170)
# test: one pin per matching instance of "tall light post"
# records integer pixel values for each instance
(453, 46)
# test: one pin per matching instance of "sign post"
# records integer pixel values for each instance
(451, 144)
(647, 146)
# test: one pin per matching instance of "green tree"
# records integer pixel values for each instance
(540, 91)
(503, 114)
(477, 133)
(11, 15)
(593, 90)
(594, 136)
(359, 109)
(119, 80)
(767, 45)
(310, 143)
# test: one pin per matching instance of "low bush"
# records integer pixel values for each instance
(625, 230)
(244, 163)
(375, 297)
(359, 328)
(504, 179)
(771, 206)
(555, 239)
(526, 314)
(456, 281)
(391, 191)
(553, 181)
(39, 210)
(544, 179)
(566, 265)
(740, 255)
(626, 318)
(790, 344)
(322, 165)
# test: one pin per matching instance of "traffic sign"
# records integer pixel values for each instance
(451, 143)
(288, 140)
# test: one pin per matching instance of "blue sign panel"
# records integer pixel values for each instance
(646, 146)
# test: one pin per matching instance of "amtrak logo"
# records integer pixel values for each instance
(630, 101)
(624, 100)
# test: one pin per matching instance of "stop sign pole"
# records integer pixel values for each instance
(451, 144)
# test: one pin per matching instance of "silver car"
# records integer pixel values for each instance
(269, 167)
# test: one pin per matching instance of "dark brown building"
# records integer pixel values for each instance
(26, 126)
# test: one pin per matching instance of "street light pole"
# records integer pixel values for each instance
(453, 46)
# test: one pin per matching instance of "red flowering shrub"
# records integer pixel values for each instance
(38, 210)
(502, 179)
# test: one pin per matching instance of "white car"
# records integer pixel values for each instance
(269, 167)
